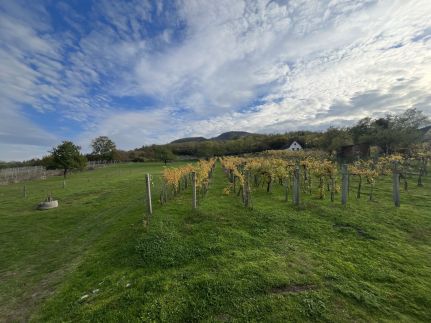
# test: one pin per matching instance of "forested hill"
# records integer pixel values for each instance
(230, 135)
(391, 133)
(188, 139)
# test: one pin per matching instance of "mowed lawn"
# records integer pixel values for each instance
(92, 260)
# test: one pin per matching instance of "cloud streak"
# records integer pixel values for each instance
(146, 73)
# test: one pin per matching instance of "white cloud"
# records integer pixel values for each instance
(19, 152)
(19, 136)
(213, 66)
(300, 62)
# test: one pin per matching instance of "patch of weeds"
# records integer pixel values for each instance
(168, 250)
(331, 276)
(346, 227)
(294, 288)
(313, 306)
(360, 294)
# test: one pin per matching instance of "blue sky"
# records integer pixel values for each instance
(144, 72)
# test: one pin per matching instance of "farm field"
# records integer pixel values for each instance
(92, 260)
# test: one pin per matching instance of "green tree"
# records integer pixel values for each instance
(335, 138)
(407, 126)
(103, 148)
(362, 131)
(67, 156)
(48, 162)
(206, 149)
(391, 132)
(164, 154)
(385, 135)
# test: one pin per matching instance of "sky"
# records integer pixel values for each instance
(144, 72)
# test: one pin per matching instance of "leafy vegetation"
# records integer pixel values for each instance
(103, 149)
(392, 132)
(66, 156)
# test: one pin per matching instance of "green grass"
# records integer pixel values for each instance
(320, 261)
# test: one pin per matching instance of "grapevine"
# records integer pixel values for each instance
(177, 179)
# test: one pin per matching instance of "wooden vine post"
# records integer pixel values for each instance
(395, 184)
(422, 170)
(246, 189)
(149, 202)
(332, 188)
(286, 189)
(194, 199)
(344, 184)
(296, 188)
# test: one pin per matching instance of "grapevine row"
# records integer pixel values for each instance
(317, 171)
(177, 179)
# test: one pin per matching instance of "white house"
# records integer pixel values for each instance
(294, 146)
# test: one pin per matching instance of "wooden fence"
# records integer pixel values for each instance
(20, 174)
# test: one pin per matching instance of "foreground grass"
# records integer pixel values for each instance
(39, 249)
(94, 261)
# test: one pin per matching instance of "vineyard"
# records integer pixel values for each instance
(18, 174)
(269, 237)
(301, 174)
(313, 174)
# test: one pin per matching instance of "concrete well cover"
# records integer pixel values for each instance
(47, 205)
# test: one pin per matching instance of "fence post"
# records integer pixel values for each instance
(246, 189)
(194, 199)
(421, 172)
(332, 189)
(286, 189)
(25, 191)
(344, 184)
(396, 184)
(296, 189)
(149, 202)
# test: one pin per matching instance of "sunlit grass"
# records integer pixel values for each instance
(92, 260)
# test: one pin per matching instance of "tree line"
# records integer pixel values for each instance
(392, 133)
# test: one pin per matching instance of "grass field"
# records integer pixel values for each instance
(92, 260)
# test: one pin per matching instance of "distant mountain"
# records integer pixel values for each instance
(232, 135)
(189, 139)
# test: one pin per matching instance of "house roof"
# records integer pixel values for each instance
(290, 142)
